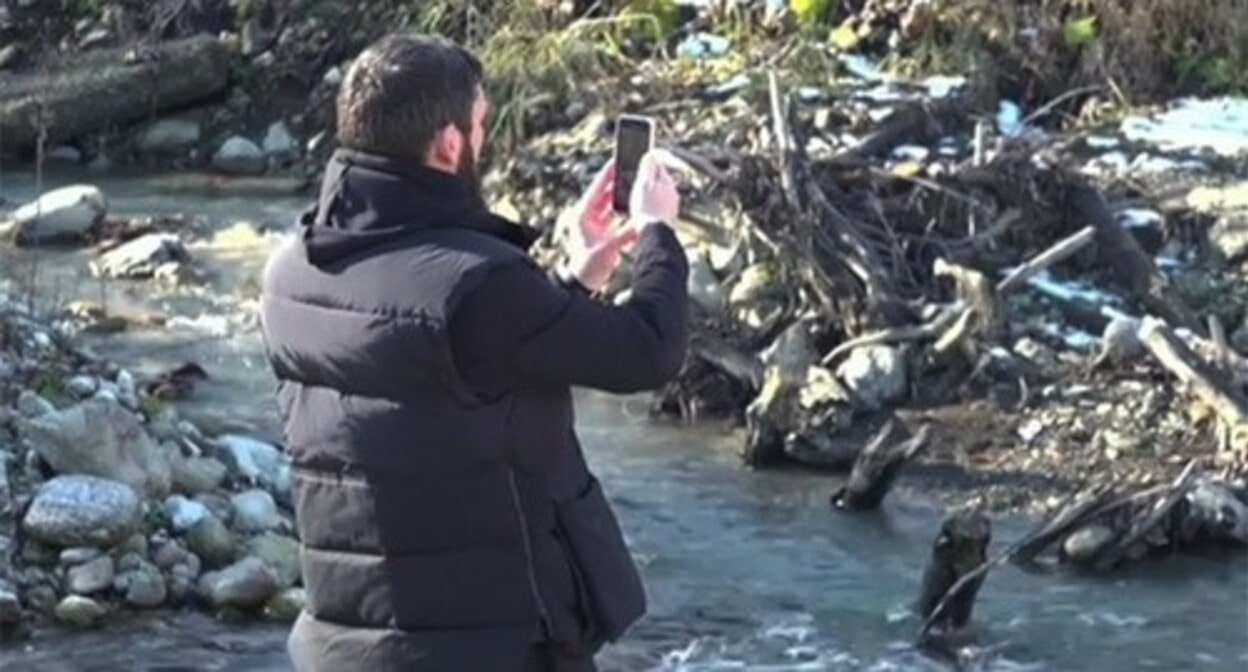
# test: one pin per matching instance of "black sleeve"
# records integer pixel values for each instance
(519, 328)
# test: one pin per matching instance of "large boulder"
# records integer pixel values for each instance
(83, 510)
(101, 438)
(64, 214)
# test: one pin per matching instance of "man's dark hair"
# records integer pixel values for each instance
(401, 90)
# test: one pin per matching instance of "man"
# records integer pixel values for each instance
(447, 518)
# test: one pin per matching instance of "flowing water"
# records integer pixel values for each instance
(746, 571)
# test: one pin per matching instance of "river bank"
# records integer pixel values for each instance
(867, 248)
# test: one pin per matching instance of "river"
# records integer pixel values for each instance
(746, 570)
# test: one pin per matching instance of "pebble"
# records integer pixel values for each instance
(255, 511)
(31, 405)
(79, 554)
(79, 611)
(92, 577)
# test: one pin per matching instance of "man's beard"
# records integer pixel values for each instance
(470, 173)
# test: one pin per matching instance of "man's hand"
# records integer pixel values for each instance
(594, 243)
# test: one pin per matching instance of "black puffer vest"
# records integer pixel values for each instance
(432, 520)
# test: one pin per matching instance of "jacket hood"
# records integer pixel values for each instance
(369, 200)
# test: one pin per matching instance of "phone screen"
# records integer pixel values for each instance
(632, 141)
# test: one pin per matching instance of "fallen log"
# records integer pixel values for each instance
(1118, 250)
(107, 89)
(878, 466)
(1209, 384)
(1074, 512)
(1114, 552)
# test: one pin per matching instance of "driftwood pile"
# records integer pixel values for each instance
(831, 287)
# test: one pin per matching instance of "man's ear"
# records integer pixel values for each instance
(445, 149)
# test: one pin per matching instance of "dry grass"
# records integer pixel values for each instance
(1141, 50)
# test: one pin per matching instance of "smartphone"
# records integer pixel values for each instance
(634, 136)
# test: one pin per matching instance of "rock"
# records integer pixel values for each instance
(704, 286)
(210, 539)
(285, 606)
(195, 475)
(256, 461)
(245, 585)
(79, 555)
(184, 513)
(169, 555)
(135, 543)
(10, 607)
(279, 143)
(64, 154)
(280, 554)
(7, 368)
(82, 510)
(333, 77)
(82, 386)
(181, 583)
(92, 577)
(792, 352)
(876, 374)
(1085, 543)
(239, 156)
(146, 587)
(41, 598)
(255, 511)
(128, 393)
(10, 54)
(254, 38)
(1229, 235)
(140, 257)
(66, 213)
(31, 405)
(35, 552)
(170, 136)
(219, 505)
(101, 438)
(79, 611)
(1219, 514)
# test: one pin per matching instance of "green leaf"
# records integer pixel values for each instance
(1081, 32)
(844, 38)
(811, 12)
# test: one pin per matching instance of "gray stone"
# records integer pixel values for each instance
(170, 136)
(82, 510)
(333, 77)
(1229, 235)
(41, 598)
(184, 513)
(258, 462)
(169, 555)
(211, 540)
(82, 386)
(239, 156)
(135, 543)
(100, 437)
(285, 606)
(79, 555)
(92, 577)
(79, 611)
(280, 554)
(130, 561)
(127, 391)
(10, 54)
(36, 552)
(64, 154)
(279, 143)
(876, 374)
(218, 504)
(31, 405)
(146, 588)
(245, 585)
(139, 258)
(7, 368)
(197, 475)
(1085, 543)
(10, 608)
(255, 511)
(704, 287)
(66, 213)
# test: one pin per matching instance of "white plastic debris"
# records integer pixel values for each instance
(1139, 218)
(1010, 119)
(1219, 125)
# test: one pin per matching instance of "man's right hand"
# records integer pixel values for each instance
(654, 196)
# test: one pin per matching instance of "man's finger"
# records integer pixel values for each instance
(600, 183)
